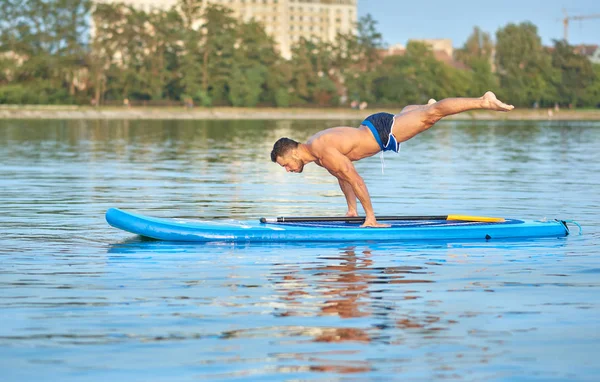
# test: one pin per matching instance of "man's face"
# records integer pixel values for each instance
(290, 163)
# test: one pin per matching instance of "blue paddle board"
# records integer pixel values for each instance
(192, 230)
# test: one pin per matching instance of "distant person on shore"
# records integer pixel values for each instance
(336, 148)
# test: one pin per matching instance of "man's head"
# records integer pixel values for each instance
(285, 153)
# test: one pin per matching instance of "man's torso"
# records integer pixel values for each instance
(354, 143)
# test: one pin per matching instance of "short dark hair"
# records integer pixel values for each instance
(281, 147)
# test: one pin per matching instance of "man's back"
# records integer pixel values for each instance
(351, 142)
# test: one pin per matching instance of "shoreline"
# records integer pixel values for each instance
(233, 113)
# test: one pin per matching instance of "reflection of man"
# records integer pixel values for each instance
(335, 149)
(350, 286)
(347, 283)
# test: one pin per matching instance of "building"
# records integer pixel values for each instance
(287, 21)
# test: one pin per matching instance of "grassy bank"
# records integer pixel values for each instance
(79, 112)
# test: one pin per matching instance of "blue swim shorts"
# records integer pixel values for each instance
(380, 125)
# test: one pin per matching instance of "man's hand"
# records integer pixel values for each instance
(372, 223)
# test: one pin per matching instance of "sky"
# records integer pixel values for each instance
(401, 20)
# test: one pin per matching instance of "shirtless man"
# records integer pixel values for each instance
(336, 148)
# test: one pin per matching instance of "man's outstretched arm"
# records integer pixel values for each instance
(342, 168)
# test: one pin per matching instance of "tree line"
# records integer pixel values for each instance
(201, 54)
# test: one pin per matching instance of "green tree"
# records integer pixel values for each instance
(107, 19)
(304, 76)
(218, 38)
(479, 45)
(576, 73)
(162, 52)
(416, 77)
(476, 53)
(369, 41)
(524, 66)
(46, 42)
(192, 58)
(254, 56)
(357, 56)
(135, 54)
(126, 73)
(315, 77)
(591, 96)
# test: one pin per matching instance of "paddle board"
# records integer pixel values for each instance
(197, 230)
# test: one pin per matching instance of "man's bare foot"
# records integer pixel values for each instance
(431, 101)
(490, 102)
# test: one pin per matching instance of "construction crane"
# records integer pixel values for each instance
(568, 18)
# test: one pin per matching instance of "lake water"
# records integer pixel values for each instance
(82, 301)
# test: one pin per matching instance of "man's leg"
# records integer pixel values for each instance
(409, 123)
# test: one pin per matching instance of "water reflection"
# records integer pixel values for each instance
(343, 285)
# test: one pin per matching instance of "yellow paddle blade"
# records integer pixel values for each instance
(476, 218)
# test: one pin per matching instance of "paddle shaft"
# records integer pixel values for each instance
(292, 219)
